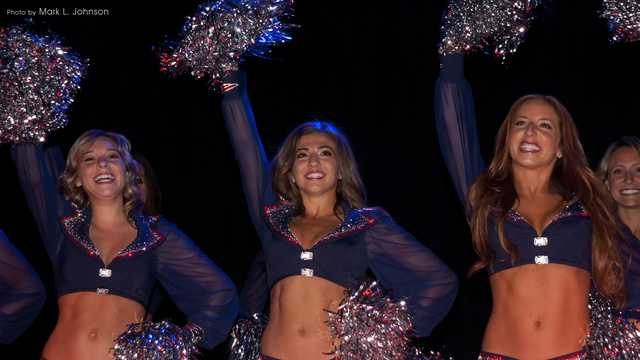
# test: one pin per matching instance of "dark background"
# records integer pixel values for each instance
(369, 67)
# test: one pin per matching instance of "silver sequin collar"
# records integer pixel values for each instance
(574, 208)
(279, 216)
(76, 227)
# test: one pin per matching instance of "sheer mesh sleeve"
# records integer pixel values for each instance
(456, 125)
(43, 197)
(410, 270)
(21, 292)
(630, 253)
(196, 285)
(255, 292)
(254, 166)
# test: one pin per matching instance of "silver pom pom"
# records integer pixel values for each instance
(38, 79)
(623, 17)
(370, 325)
(246, 335)
(496, 26)
(157, 341)
(221, 32)
(611, 335)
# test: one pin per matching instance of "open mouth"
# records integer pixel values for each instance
(104, 179)
(529, 147)
(314, 175)
(630, 191)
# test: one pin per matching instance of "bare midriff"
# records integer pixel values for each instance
(297, 326)
(87, 325)
(539, 311)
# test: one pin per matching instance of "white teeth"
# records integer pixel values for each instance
(630, 191)
(529, 147)
(314, 175)
(104, 178)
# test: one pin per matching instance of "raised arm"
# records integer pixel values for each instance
(35, 171)
(456, 125)
(411, 271)
(196, 285)
(21, 292)
(254, 166)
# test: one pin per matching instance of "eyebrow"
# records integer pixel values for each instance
(319, 147)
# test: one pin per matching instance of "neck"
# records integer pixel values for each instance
(530, 183)
(108, 213)
(630, 217)
(319, 206)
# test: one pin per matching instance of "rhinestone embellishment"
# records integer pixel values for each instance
(102, 291)
(104, 273)
(306, 272)
(541, 259)
(540, 241)
(306, 255)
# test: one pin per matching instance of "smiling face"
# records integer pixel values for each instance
(534, 138)
(101, 170)
(315, 168)
(623, 178)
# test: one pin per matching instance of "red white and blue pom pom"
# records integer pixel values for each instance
(157, 341)
(245, 336)
(493, 26)
(611, 335)
(38, 80)
(623, 17)
(214, 40)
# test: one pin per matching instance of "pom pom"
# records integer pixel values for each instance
(611, 335)
(157, 341)
(221, 32)
(496, 26)
(370, 325)
(38, 80)
(623, 17)
(246, 335)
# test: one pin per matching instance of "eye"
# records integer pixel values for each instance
(546, 125)
(326, 152)
(519, 123)
(616, 172)
(301, 155)
(88, 159)
(114, 155)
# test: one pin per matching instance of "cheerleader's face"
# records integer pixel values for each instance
(623, 179)
(315, 167)
(101, 171)
(534, 138)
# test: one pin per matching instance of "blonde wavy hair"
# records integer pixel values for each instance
(68, 179)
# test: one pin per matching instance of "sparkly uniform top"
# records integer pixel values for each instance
(566, 240)
(21, 292)
(160, 253)
(367, 239)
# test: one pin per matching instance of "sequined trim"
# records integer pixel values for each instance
(76, 227)
(280, 215)
(574, 208)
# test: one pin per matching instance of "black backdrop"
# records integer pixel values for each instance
(369, 67)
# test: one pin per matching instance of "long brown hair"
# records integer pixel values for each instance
(68, 179)
(350, 190)
(631, 142)
(493, 194)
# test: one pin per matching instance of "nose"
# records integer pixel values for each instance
(314, 159)
(529, 130)
(628, 177)
(102, 161)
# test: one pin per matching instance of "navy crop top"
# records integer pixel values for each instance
(365, 239)
(21, 292)
(160, 252)
(566, 240)
(630, 251)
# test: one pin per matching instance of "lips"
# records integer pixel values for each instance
(627, 192)
(529, 147)
(314, 175)
(104, 178)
